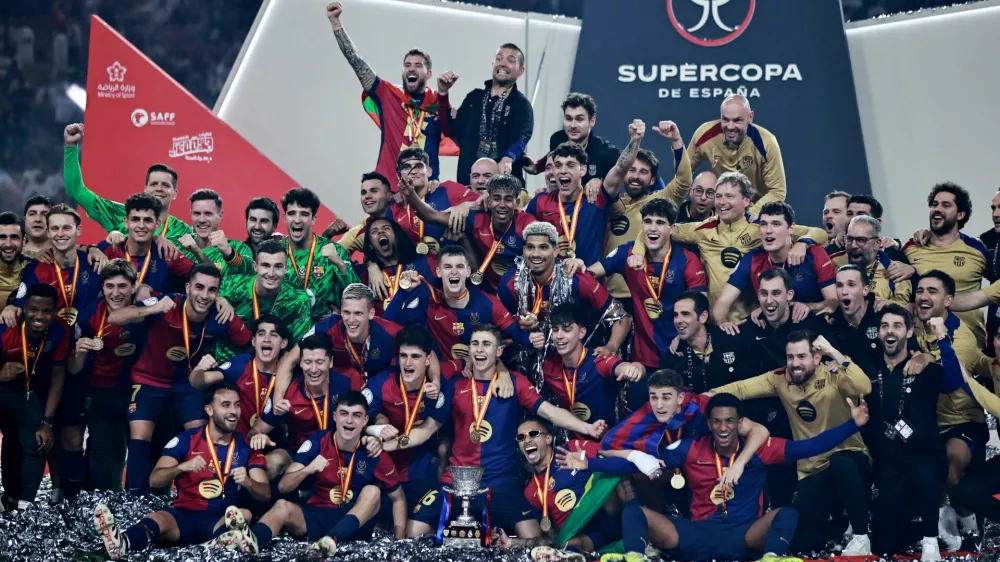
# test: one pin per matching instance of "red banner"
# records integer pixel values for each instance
(137, 115)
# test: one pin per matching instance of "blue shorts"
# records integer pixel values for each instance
(321, 520)
(603, 528)
(507, 506)
(975, 435)
(413, 490)
(148, 402)
(194, 527)
(710, 540)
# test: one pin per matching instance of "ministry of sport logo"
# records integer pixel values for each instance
(710, 23)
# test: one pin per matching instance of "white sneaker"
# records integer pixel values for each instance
(104, 524)
(326, 547)
(234, 519)
(929, 551)
(859, 546)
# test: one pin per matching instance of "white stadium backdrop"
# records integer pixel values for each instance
(925, 83)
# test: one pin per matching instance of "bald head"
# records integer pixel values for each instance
(482, 170)
(736, 117)
(703, 194)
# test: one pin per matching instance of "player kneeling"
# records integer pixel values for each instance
(345, 486)
(210, 465)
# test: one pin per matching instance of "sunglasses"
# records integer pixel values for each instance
(529, 435)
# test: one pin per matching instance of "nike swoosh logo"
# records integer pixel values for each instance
(297, 412)
(758, 338)
(397, 403)
(463, 391)
(525, 512)
(439, 318)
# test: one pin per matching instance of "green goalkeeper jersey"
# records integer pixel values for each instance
(293, 306)
(242, 262)
(324, 280)
(109, 214)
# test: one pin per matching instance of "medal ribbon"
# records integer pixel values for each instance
(256, 389)
(187, 334)
(477, 413)
(543, 489)
(222, 474)
(393, 282)
(345, 482)
(569, 229)
(415, 221)
(539, 299)
(68, 298)
(354, 354)
(663, 274)
(304, 277)
(320, 416)
(145, 264)
(256, 303)
(718, 469)
(414, 123)
(165, 227)
(411, 418)
(100, 329)
(491, 253)
(571, 388)
(24, 356)
(670, 439)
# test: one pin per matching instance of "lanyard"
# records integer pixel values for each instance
(165, 227)
(493, 251)
(689, 355)
(256, 303)
(320, 416)
(68, 296)
(415, 221)
(571, 388)
(30, 374)
(145, 264)
(663, 274)
(303, 276)
(345, 481)
(258, 403)
(187, 333)
(354, 353)
(414, 124)
(393, 282)
(219, 471)
(480, 414)
(100, 329)
(569, 228)
(411, 417)
(543, 489)
(718, 469)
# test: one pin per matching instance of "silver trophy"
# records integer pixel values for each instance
(465, 531)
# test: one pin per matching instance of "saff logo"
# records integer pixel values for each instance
(710, 23)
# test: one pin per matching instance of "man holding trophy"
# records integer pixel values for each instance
(485, 429)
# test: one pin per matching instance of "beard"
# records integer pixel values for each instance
(945, 228)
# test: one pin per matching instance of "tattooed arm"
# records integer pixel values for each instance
(616, 177)
(361, 68)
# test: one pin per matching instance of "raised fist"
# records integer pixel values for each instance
(668, 129)
(637, 129)
(333, 11)
(72, 134)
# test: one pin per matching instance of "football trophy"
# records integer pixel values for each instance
(465, 530)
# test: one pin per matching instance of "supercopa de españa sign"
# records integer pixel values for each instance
(678, 59)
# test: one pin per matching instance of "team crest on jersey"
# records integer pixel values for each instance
(362, 466)
(152, 266)
(745, 162)
(85, 277)
(959, 261)
(592, 169)
(729, 357)
(872, 332)
(820, 384)
(745, 239)
(458, 328)
(474, 317)
(318, 271)
(798, 274)
(375, 353)
(669, 276)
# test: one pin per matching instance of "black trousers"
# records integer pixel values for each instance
(844, 484)
(107, 421)
(976, 489)
(907, 488)
(22, 417)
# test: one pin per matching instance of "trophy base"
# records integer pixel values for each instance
(462, 537)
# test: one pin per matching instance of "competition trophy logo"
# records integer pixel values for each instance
(464, 531)
(703, 23)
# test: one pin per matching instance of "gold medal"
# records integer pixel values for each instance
(546, 524)
(404, 441)
(98, 344)
(69, 314)
(409, 415)
(477, 278)
(530, 318)
(405, 283)
(570, 254)
(474, 435)
(677, 481)
(653, 308)
(423, 248)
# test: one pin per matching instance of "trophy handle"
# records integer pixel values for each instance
(446, 489)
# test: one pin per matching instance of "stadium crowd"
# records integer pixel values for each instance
(684, 370)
